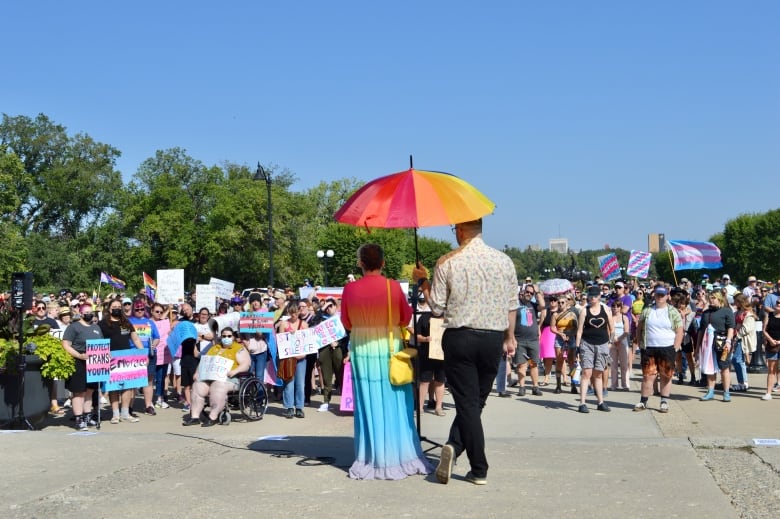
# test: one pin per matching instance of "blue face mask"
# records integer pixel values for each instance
(227, 341)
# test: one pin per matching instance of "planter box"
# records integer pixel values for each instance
(36, 393)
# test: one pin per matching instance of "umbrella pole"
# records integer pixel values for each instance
(416, 385)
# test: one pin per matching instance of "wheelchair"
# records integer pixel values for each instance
(251, 399)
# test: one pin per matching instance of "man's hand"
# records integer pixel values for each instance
(419, 272)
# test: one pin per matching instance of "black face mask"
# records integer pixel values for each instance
(116, 312)
(88, 317)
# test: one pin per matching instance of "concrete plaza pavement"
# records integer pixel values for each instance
(546, 460)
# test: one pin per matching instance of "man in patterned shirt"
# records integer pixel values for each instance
(475, 336)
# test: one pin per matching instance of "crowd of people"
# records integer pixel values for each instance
(588, 336)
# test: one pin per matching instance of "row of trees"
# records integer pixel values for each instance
(67, 216)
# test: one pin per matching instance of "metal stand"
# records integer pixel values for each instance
(21, 422)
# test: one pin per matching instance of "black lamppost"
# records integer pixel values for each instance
(324, 256)
(265, 176)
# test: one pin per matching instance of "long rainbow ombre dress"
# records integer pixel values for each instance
(386, 442)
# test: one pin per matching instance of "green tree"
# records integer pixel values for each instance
(13, 253)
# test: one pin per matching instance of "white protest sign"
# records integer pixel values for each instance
(170, 286)
(223, 289)
(330, 330)
(435, 350)
(301, 342)
(213, 367)
(206, 296)
(230, 319)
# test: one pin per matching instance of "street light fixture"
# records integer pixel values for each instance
(265, 176)
(324, 256)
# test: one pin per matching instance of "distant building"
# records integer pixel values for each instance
(534, 246)
(656, 242)
(559, 245)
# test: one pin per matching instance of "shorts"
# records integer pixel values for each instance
(188, 370)
(773, 355)
(430, 369)
(175, 367)
(594, 356)
(687, 348)
(527, 351)
(77, 383)
(658, 361)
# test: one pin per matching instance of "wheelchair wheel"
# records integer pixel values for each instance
(224, 417)
(252, 399)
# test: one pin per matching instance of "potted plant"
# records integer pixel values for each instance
(42, 358)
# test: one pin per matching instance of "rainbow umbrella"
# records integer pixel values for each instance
(414, 198)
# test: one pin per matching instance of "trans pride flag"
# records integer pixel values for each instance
(695, 255)
(113, 281)
(609, 266)
(639, 264)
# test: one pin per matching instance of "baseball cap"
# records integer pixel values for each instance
(725, 276)
(751, 279)
(684, 280)
(620, 284)
(705, 276)
(126, 301)
(660, 290)
(279, 294)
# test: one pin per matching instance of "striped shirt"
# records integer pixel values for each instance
(474, 286)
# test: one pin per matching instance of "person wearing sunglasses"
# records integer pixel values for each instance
(527, 335)
(42, 316)
(150, 337)
(228, 347)
(163, 356)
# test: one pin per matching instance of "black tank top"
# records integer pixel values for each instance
(594, 329)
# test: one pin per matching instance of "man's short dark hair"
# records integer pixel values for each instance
(371, 256)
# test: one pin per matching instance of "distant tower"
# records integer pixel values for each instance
(656, 242)
(559, 245)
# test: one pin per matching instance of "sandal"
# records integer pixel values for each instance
(440, 412)
(56, 410)
(115, 420)
(542, 383)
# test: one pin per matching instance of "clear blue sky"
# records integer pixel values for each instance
(596, 121)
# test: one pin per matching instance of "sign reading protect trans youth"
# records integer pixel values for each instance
(98, 360)
(128, 369)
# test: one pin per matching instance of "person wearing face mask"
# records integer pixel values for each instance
(121, 332)
(216, 390)
(74, 341)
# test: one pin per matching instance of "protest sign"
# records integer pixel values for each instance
(98, 360)
(170, 286)
(206, 297)
(254, 322)
(214, 367)
(347, 404)
(435, 350)
(330, 330)
(128, 369)
(300, 342)
(223, 289)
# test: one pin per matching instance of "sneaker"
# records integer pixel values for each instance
(189, 420)
(536, 391)
(640, 407)
(114, 419)
(66, 405)
(129, 418)
(574, 390)
(158, 404)
(504, 395)
(603, 407)
(103, 400)
(444, 469)
(90, 420)
(186, 408)
(558, 390)
(727, 396)
(583, 408)
(164, 404)
(81, 425)
(150, 411)
(590, 391)
(289, 413)
(324, 408)
(664, 407)
(768, 396)
(709, 396)
(521, 391)
(207, 422)
(471, 478)
(299, 413)
(604, 392)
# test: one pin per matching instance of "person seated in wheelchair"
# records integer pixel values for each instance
(216, 390)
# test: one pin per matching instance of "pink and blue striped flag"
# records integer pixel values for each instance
(695, 255)
(639, 264)
(609, 266)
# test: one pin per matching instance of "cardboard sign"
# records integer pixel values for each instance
(128, 369)
(206, 297)
(330, 330)
(214, 367)
(170, 286)
(253, 322)
(347, 404)
(223, 289)
(435, 350)
(98, 360)
(300, 342)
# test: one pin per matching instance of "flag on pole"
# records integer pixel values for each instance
(695, 255)
(609, 266)
(639, 264)
(150, 286)
(111, 280)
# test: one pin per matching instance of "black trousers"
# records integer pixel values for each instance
(470, 364)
